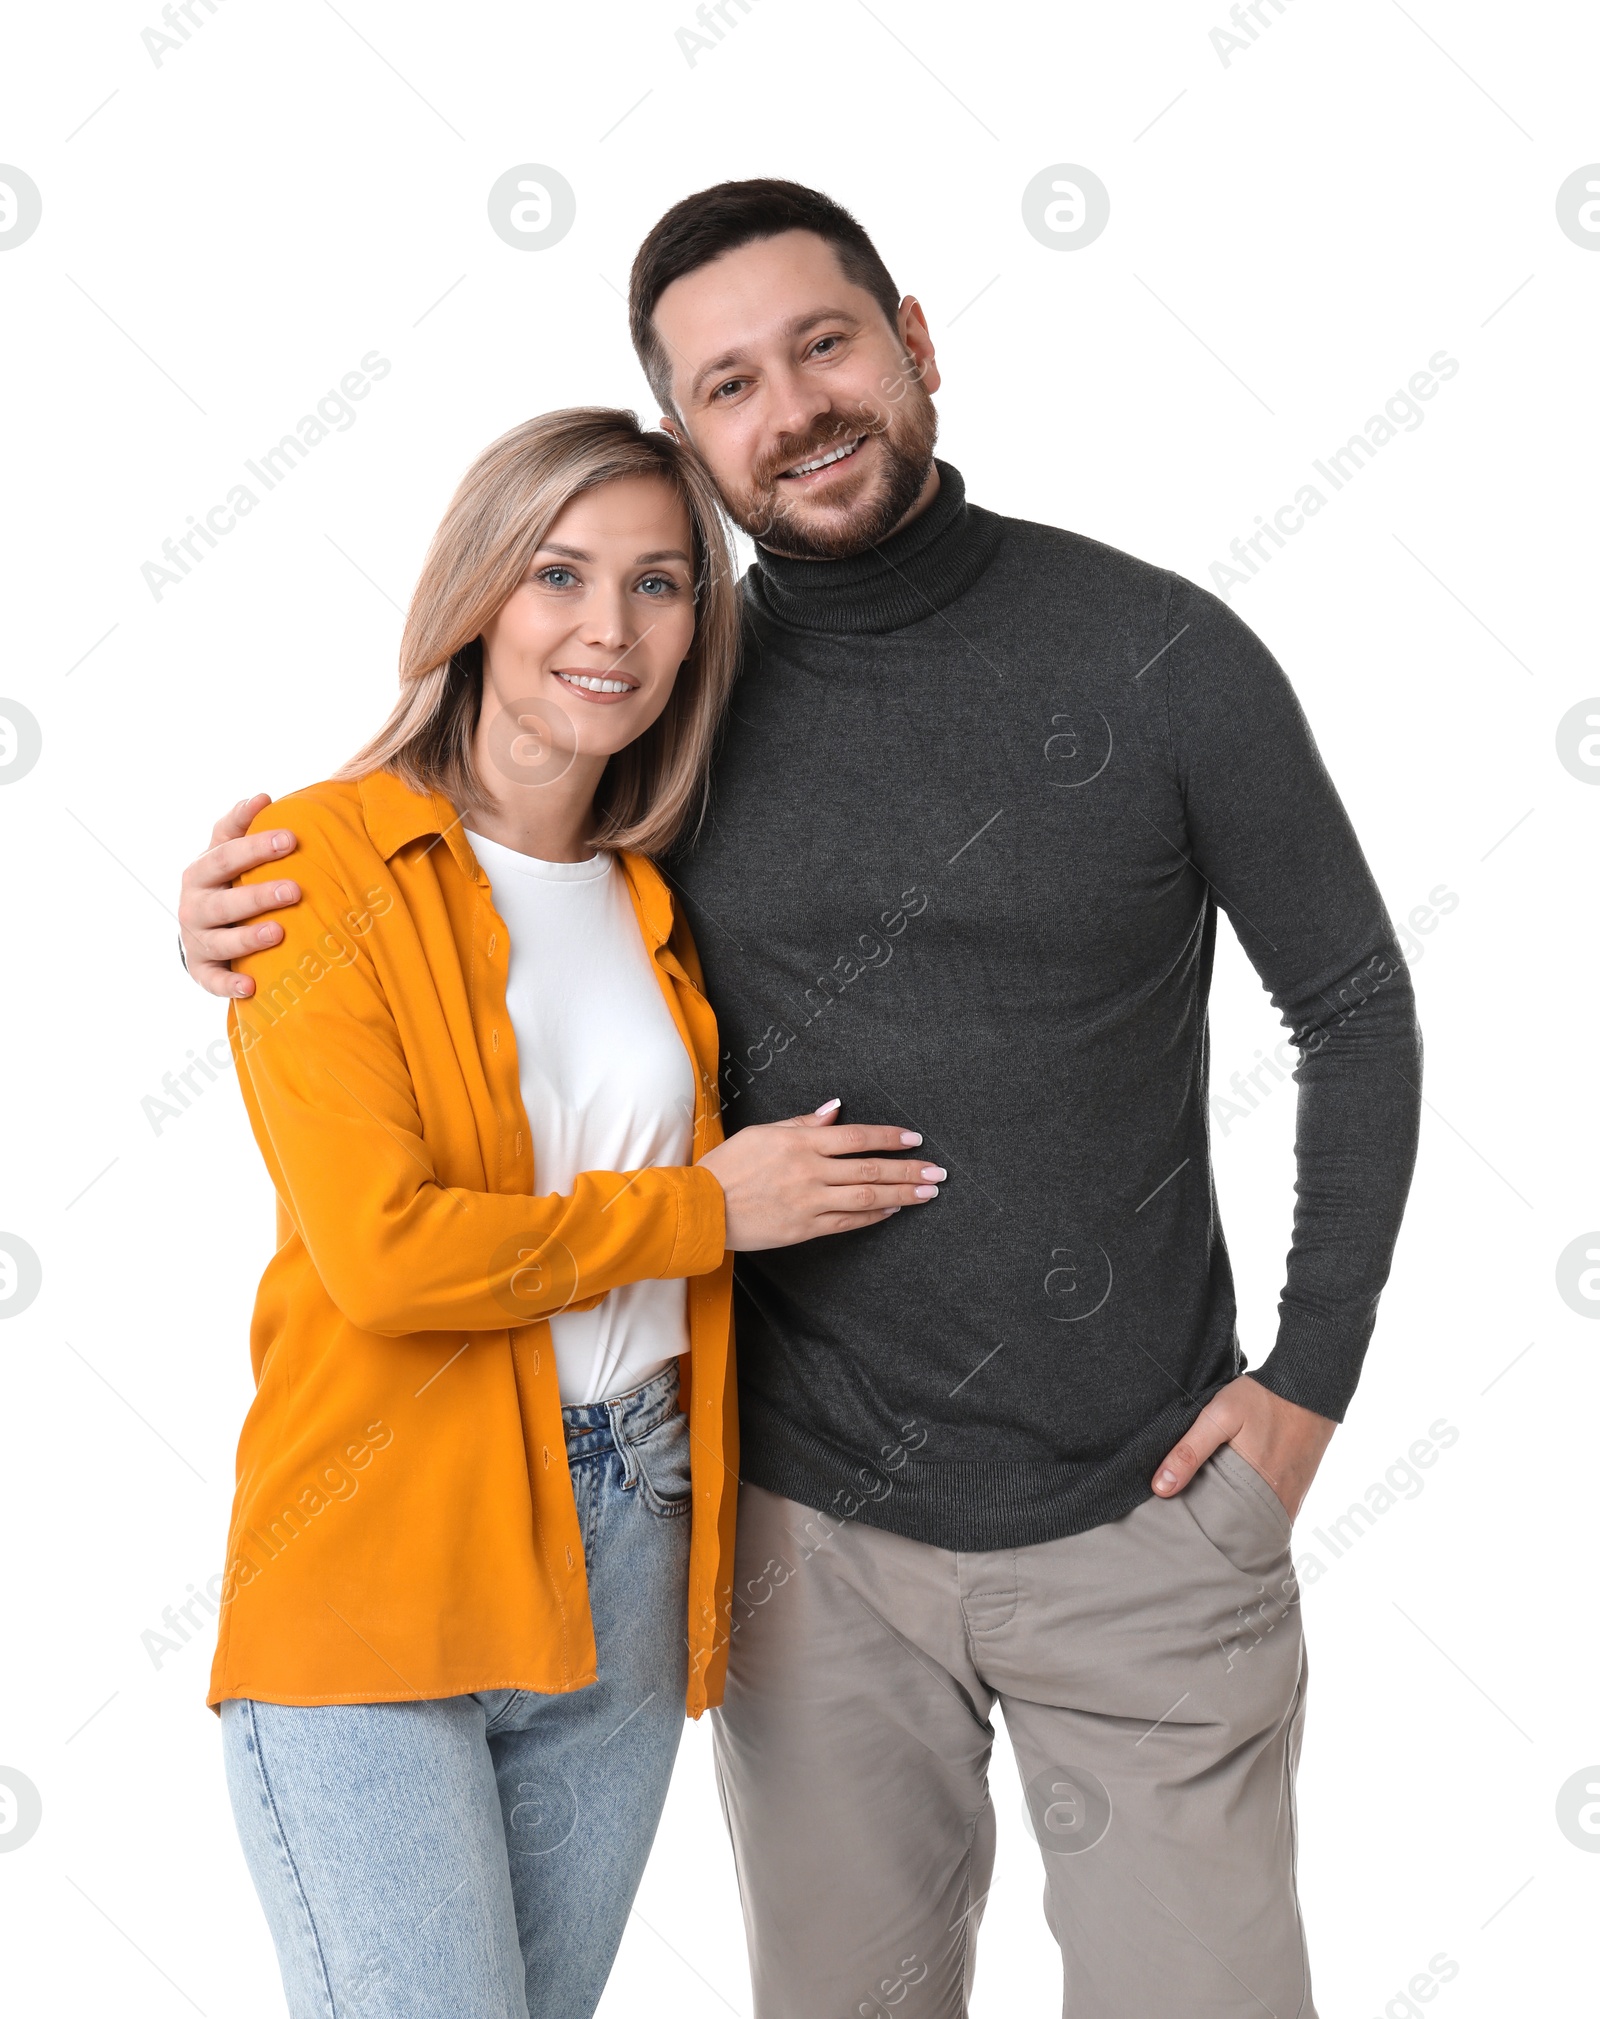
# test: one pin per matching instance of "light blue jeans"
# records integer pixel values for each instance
(476, 1857)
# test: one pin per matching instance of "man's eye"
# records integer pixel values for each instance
(549, 577)
(728, 386)
(820, 347)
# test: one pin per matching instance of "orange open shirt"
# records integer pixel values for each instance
(403, 1524)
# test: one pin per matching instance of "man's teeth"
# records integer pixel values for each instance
(821, 462)
(596, 683)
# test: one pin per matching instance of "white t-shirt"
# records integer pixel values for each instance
(606, 1081)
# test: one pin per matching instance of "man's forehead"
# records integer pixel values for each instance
(754, 293)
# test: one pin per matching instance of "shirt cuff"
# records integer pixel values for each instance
(702, 1234)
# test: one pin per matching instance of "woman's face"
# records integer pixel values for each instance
(582, 659)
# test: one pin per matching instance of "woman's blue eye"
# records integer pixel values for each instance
(549, 575)
(652, 583)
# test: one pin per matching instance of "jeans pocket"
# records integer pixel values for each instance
(662, 1457)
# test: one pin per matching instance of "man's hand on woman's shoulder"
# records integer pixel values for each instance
(216, 920)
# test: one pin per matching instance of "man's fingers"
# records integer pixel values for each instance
(231, 858)
(1210, 1430)
(237, 821)
(233, 943)
(217, 979)
(205, 911)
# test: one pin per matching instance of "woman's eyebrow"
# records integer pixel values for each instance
(640, 560)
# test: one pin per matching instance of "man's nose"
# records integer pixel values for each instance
(794, 407)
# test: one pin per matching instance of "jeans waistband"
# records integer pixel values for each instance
(593, 1427)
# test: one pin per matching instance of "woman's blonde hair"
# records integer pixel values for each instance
(655, 790)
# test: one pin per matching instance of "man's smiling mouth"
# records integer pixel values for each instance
(822, 462)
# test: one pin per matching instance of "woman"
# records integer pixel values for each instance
(481, 1546)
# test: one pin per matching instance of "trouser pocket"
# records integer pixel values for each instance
(1238, 1513)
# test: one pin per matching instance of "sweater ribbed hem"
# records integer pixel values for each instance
(962, 1505)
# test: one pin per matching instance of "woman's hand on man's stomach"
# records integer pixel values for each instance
(786, 1182)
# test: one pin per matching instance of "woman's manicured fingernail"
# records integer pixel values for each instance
(827, 1107)
(927, 1192)
(909, 1140)
(934, 1171)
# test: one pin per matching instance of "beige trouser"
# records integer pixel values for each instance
(1152, 1675)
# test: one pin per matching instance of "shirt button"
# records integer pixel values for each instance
(494, 1041)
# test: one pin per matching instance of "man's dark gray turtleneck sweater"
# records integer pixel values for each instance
(982, 793)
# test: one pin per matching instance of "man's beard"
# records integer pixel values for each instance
(789, 525)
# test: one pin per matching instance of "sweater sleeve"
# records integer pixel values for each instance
(1267, 831)
(332, 1102)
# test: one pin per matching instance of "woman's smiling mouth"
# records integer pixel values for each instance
(608, 687)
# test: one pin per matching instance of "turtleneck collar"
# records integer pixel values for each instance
(918, 570)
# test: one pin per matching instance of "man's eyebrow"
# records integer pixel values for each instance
(796, 326)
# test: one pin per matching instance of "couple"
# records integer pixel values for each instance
(976, 799)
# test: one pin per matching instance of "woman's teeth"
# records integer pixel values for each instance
(821, 462)
(596, 683)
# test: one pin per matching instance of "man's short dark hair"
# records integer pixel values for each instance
(703, 227)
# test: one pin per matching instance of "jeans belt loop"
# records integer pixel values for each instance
(630, 1465)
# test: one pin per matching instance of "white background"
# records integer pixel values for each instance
(1293, 233)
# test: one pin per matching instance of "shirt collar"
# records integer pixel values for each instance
(396, 815)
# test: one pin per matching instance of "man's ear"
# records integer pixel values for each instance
(913, 334)
(674, 428)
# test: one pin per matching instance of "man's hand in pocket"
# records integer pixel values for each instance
(1281, 1440)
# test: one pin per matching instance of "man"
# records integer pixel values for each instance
(985, 786)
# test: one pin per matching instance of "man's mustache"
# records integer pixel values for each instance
(827, 434)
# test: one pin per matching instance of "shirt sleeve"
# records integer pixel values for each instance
(1267, 831)
(335, 1111)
